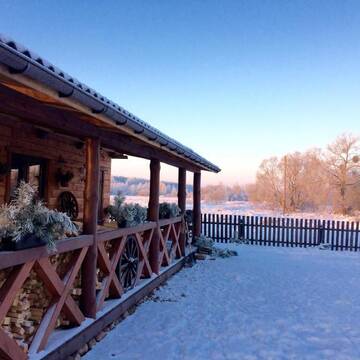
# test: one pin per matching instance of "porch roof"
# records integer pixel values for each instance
(22, 61)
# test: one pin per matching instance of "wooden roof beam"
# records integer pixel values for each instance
(28, 109)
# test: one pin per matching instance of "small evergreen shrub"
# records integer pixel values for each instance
(189, 216)
(126, 215)
(25, 216)
(168, 211)
(205, 243)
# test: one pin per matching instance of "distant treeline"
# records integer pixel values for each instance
(140, 187)
(210, 193)
(220, 193)
(312, 180)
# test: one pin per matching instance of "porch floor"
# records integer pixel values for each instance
(267, 303)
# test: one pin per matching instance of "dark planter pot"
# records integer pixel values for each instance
(27, 242)
(122, 224)
(166, 216)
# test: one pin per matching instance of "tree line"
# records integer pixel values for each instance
(220, 193)
(312, 180)
(141, 187)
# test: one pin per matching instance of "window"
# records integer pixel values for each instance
(29, 169)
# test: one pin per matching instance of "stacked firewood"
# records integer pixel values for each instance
(27, 310)
(60, 262)
(31, 303)
(202, 252)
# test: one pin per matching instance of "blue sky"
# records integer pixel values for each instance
(237, 81)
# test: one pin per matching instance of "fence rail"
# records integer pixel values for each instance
(272, 231)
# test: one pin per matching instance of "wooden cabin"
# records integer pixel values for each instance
(61, 135)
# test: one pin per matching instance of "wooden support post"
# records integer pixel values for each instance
(8, 177)
(182, 205)
(153, 214)
(197, 204)
(91, 199)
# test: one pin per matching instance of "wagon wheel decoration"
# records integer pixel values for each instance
(129, 263)
(67, 203)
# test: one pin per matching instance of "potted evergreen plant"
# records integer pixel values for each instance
(126, 215)
(26, 222)
(168, 211)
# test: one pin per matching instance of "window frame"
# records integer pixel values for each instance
(29, 160)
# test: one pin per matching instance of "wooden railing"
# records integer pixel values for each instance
(271, 231)
(58, 274)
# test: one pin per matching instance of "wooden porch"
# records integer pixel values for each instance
(60, 286)
(80, 281)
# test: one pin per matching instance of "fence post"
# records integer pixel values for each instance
(321, 233)
(241, 232)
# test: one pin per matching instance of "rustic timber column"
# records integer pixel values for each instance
(197, 204)
(91, 199)
(153, 214)
(182, 204)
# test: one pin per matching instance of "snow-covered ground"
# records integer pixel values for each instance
(266, 303)
(251, 209)
(245, 208)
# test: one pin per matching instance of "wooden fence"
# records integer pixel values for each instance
(271, 231)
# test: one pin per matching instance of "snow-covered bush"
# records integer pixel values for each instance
(324, 247)
(168, 210)
(225, 253)
(237, 240)
(188, 216)
(204, 243)
(25, 216)
(126, 215)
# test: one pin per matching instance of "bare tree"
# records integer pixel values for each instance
(214, 193)
(343, 167)
(301, 186)
(236, 193)
(292, 182)
(314, 181)
(269, 182)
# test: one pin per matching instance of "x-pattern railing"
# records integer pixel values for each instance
(111, 285)
(59, 287)
(61, 299)
(169, 232)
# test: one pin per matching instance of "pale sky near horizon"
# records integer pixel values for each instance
(237, 81)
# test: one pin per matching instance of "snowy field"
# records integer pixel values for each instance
(245, 208)
(267, 303)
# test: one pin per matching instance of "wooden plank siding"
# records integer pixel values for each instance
(288, 232)
(20, 137)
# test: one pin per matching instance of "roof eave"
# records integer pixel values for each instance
(21, 61)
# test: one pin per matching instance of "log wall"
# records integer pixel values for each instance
(19, 137)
